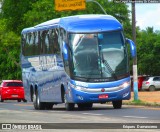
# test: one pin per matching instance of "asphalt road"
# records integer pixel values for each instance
(14, 112)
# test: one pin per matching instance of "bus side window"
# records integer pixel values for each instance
(44, 42)
(28, 44)
(53, 47)
(56, 42)
(47, 42)
(37, 43)
(51, 41)
(23, 41)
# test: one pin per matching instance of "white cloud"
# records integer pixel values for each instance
(147, 15)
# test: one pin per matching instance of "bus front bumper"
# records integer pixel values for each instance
(100, 97)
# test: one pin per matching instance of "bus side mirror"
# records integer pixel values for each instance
(132, 47)
(65, 51)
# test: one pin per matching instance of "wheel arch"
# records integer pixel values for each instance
(31, 92)
(62, 92)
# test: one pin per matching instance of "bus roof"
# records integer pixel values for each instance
(90, 23)
(80, 24)
(45, 25)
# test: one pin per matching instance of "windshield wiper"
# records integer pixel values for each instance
(109, 67)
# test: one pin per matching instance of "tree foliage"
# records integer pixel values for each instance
(43, 10)
(148, 47)
(9, 53)
(13, 11)
(18, 14)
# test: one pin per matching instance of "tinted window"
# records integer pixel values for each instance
(15, 84)
(40, 42)
(146, 79)
(156, 79)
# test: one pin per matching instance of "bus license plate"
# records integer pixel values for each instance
(103, 96)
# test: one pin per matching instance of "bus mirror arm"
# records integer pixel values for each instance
(65, 51)
(132, 47)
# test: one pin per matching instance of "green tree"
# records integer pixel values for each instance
(9, 53)
(13, 11)
(43, 10)
(148, 47)
(18, 14)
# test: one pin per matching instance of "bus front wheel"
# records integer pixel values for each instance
(68, 106)
(117, 104)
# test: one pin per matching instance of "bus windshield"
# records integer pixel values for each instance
(98, 55)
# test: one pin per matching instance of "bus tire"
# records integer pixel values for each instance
(117, 104)
(36, 102)
(68, 106)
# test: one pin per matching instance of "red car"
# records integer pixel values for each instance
(12, 90)
(140, 81)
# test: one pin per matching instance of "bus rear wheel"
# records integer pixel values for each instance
(117, 104)
(36, 102)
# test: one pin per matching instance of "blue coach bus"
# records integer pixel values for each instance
(80, 60)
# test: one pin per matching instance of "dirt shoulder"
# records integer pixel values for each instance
(147, 96)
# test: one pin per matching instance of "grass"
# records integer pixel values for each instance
(141, 103)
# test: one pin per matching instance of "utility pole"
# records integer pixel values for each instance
(135, 80)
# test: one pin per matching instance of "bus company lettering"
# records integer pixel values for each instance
(48, 62)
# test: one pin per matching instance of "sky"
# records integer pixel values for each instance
(147, 15)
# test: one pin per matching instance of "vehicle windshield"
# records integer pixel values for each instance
(98, 55)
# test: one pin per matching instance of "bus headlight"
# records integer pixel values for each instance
(125, 84)
(79, 88)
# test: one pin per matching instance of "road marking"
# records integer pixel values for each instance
(24, 104)
(92, 114)
(135, 117)
(52, 111)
